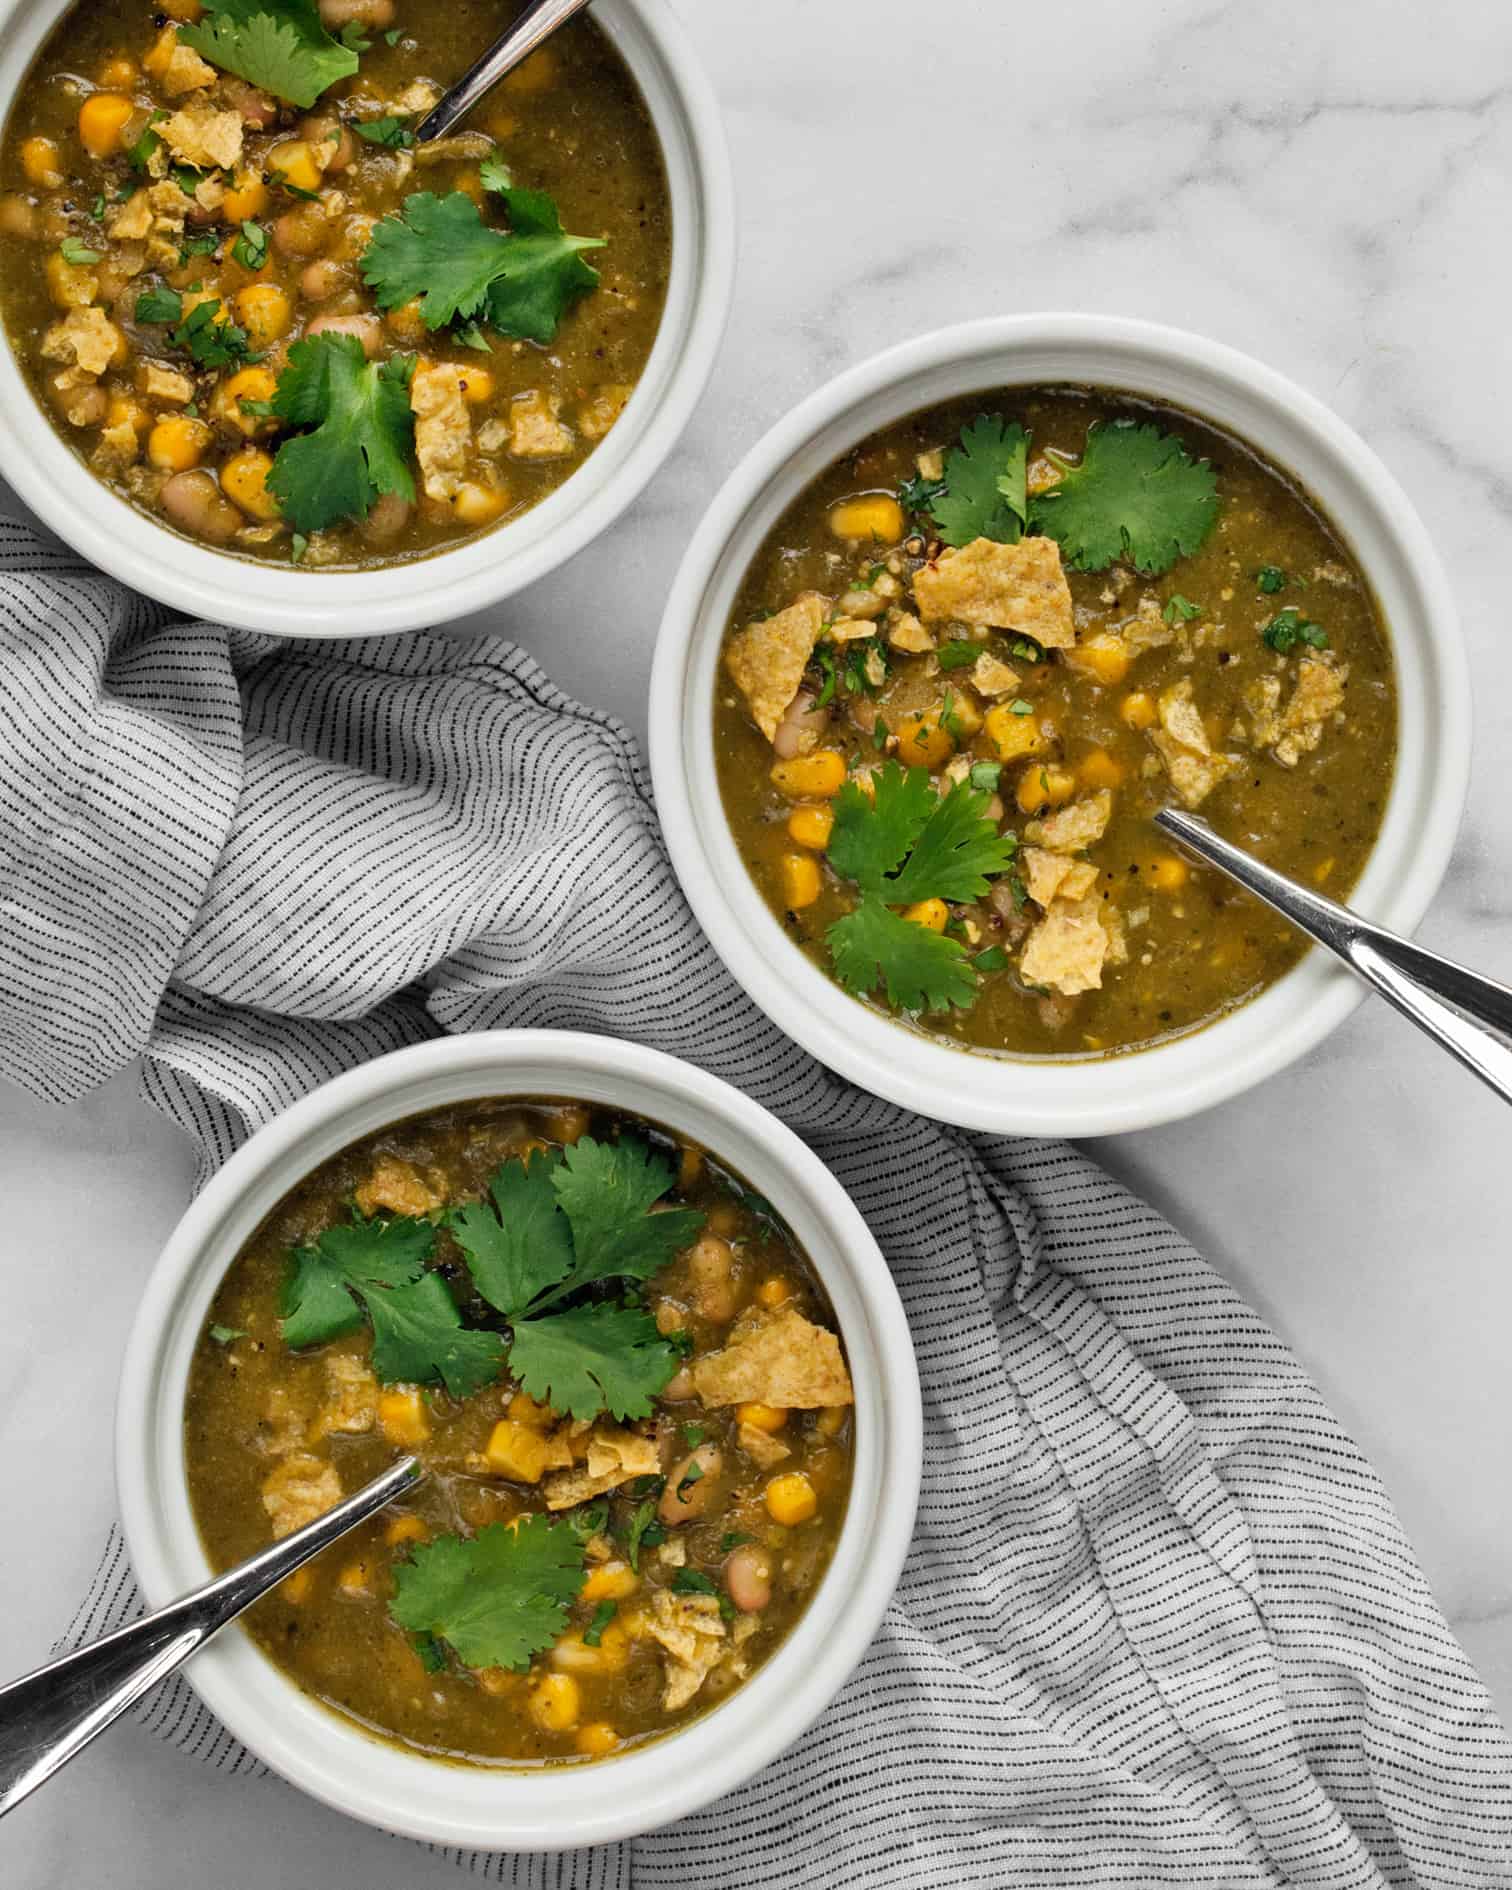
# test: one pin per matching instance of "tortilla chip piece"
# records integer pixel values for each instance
(443, 428)
(351, 1396)
(768, 658)
(399, 1187)
(760, 1446)
(779, 1359)
(1071, 829)
(906, 633)
(1182, 743)
(1182, 719)
(692, 1632)
(1318, 696)
(297, 1491)
(1001, 587)
(1055, 875)
(992, 678)
(198, 134)
(133, 220)
(85, 336)
(614, 1457)
(1066, 950)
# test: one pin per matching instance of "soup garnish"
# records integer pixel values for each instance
(268, 316)
(623, 1380)
(974, 658)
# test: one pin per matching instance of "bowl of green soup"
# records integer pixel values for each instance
(271, 359)
(663, 1391)
(952, 634)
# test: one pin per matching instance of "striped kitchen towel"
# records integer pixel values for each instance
(1158, 1625)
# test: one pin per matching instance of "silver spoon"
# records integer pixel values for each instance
(49, 1716)
(539, 20)
(1469, 1015)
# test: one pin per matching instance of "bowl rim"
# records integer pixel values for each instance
(1055, 1097)
(489, 1808)
(479, 571)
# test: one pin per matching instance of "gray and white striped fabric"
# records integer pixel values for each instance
(1159, 1624)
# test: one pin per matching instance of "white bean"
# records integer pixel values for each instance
(367, 328)
(801, 718)
(194, 501)
(686, 1502)
(748, 1576)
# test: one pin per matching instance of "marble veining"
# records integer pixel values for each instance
(1324, 186)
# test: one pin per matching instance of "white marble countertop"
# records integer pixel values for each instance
(1325, 186)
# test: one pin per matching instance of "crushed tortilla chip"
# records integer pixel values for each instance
(692, 1631)
(1182, 743)
(768, 658)
(1066, 950)
(776, 1358)
(197, 134)
(397, 1186)
(760, 1446)
(297, 1491)
(1072, 829)
(1001, 587)
(85, 336)
(1055, 875)
(614, 1457)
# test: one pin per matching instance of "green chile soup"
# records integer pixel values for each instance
(262, 314)
(975, 657)
(624, 1380)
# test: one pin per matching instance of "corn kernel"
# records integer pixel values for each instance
(774, 1292)
(101, 120)
(71, 285)
(817, 776)
(523, 1409)
(555, 1701)
(294, 163)
(255, 384)
(534, 75)
(39, 160)
(831, 1420)
(1099, 769)
(402, 1417)
(297, 1587)
(477, 384)
(925, 743)
(265, 311)
(187, 11)
(123, 410)
(176, 443)
(516, 1451)
(353, 1579)
(932, 914)
(790, 1499)
(407, 322)
(1137, 710)
(764, 1417)
(477, 504)
(811, 827)
(406, 1529)
(1105, 658)
(1012, 736)
(878, 516)
(1044, 787)
(244, 480)
(247, 198)
(610, 1581)
(596, 1739)
(1167, 874)
(801, 881)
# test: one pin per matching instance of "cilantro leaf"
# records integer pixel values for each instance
(495, 1599)
(872, 837)
(362, 431)
(645, 1530)
(522, 1244)
(317, 1303)
(439, 249)
(388, 130)
(494, 174)
(921, 970)
(918, 494)
(593, 1358)
(279, 46)
(957, 850)
(418, 1338)
(203, 333)
(1136, 493)
(78, 253)
(984, 494)
(607, 1191)
(1288, 628)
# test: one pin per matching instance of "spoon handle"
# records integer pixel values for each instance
(48, 1716)
(537, 22)
(1469, 1015)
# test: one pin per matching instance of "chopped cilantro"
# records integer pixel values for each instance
(205, 245)
(388, 130)
(431, 1654)
(693, 1474)
(950, 719)
(494, 174)
(645, 1531)
(251, 247)
(1270, 578)
(905, 845)
(985, 494)
(1026, 649)
(1018, 706)
(279, 46)
(360, 431)
(138, 154)
(97, 209)
(993, 959)
(918, 495)
(495, 1599)
(986, 775)
(957, 655)
(733, 1540)
(470, 335)
(80, 255)
(879, 735)
(224, 1335)
(1288, 628)
(298, 546)
(1136, 493)
(393, 36)
(589, 1522)
(603, 1614)
(1180, 609)
(693, 1435)
(521, 280)
(693, 1581)
(211, 341)
(351, 37)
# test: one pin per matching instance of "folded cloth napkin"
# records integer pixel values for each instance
(1158, 1623)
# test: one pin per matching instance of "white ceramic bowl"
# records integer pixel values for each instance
(288, 601)
(1044, 1096)
(555, 1807)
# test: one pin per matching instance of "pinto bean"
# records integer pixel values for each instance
(748, 1577)
(340, 145)
(367, 328)
(800, 720)
(194, 501)
(256, 108)
(711, 1269)
(302, 231)
(389, 516)
(321, 279)
(374, 15)
(686, 1502)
